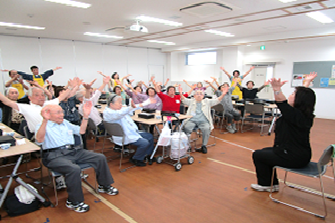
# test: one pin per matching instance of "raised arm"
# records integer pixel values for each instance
(46, 91)
(8, 83)
(224, 92)
(187, 84)
(125, 77)
(156, 86)
(166, 82)
(309, 78)
(8, 102)
(216, 81)
(145, 84)
(88, 86)
(248, 72)
(266, 83)
(40, 134)
(22, 83)
(226, 72)
(121, 85)
(86, 112)
(276, 86)
(211, 83)
(106, 80)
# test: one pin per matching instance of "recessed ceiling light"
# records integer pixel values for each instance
(219, 33)
(71, 3)
(8, 24)
(102, 35)
(286, 1)
(163, 21)
(158, 41)
(320, 17)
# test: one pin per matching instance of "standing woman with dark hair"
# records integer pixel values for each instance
(291, 146)
(114, 80)
(236, 79)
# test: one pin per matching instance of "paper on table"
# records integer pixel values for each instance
(20, 142)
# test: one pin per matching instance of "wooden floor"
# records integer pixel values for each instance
(216, 188)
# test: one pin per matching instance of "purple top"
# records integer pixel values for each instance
(157, 106)
(136, 99)
(200, 88)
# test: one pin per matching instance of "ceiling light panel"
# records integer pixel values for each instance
(162, 21)
(8, 24)
(71, 3)
(163, 42)
(219, 33)
(320, 17)
(102, 35)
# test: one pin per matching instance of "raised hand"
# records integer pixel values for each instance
(266, 83)
(311, 76)
(180, 89)
(277, 83)
(4, 70)
(106, 79)
(45, 112)
(20, 80)
(102, 73)
(57, 68)
(214, 78)
(33, 83)
(222, 68)
(87, 108)
(89, 85)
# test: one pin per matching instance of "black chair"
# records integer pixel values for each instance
(114, 129)
(314, 170)
(255, 112)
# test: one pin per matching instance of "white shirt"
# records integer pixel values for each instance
(95, 114)
(32, 113)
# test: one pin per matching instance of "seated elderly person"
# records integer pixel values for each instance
(229, 111)
(200, 109)
(59, 154)
(144, 141)
(11, 117)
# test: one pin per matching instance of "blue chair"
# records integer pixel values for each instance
(314, 170)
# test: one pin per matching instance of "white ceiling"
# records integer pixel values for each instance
(251, 21)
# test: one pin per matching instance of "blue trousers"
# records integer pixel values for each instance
(145, 146)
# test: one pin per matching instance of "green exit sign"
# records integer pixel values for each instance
(262, 47)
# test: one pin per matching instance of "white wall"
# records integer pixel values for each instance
(232, 58)
(82, 59)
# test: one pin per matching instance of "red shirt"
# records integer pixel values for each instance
(170, 104)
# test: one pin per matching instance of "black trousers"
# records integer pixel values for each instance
(65, 161)
(265, 159)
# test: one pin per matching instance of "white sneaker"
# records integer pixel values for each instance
(128, 151)
(233, 126)
(60, 182)
(260, 188)
(230, 129)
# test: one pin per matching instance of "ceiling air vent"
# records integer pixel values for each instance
(206, 9)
